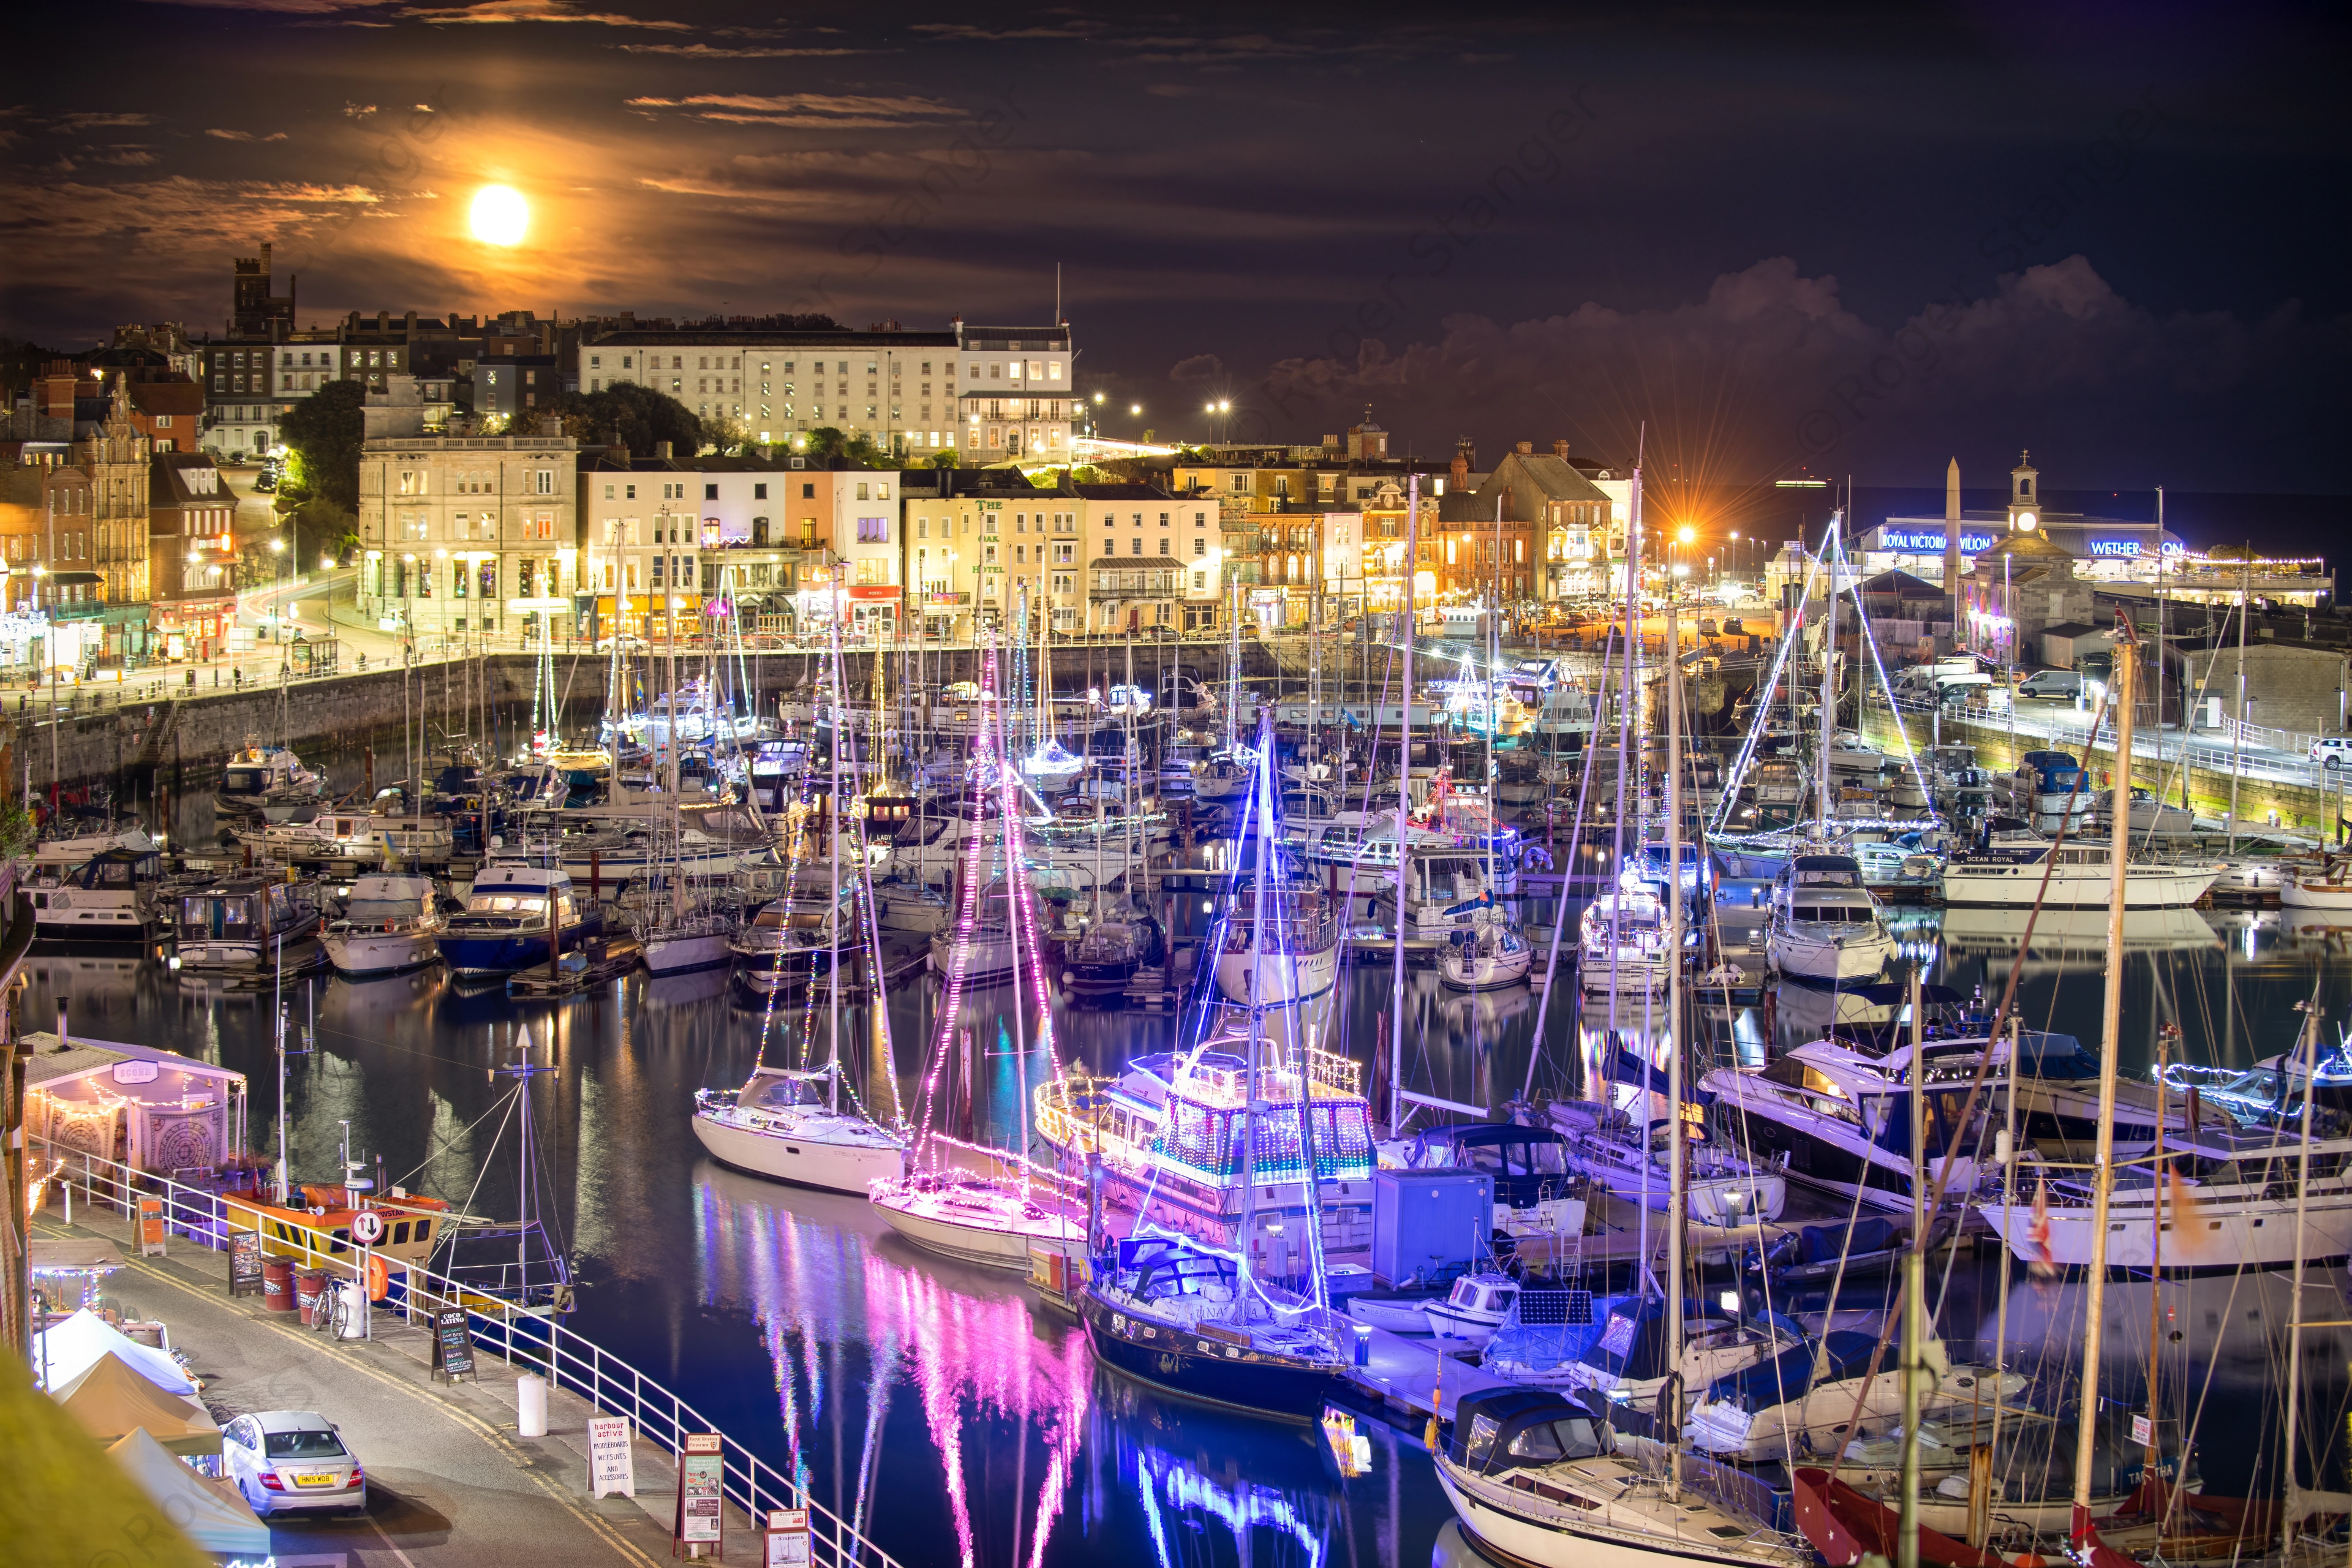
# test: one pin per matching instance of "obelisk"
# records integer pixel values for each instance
(1952, 548)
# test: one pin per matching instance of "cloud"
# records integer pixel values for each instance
(730, 52)
(100, 122)
(357, 110)
(806, 111)
(231, 135)
(504, 12)
(122, 156)
(1770, 369)
(1200, 367)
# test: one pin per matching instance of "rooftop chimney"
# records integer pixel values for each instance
(661, 451)
(1559, 448)
(1526, 449)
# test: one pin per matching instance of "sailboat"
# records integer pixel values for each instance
(1203, 1319)
(1536, 1479)
(788, 1124)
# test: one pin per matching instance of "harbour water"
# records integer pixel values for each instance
(956, 1418)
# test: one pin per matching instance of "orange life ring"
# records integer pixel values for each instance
(379, 1276)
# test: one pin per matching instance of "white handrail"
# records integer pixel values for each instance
(568, 1359)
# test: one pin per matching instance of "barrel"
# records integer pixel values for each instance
(311, 1292)
(278, 1284)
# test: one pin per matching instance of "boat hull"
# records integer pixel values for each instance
(1813, 958)
(678, 954)
(1200, 1367)
(1483, 971)
(804, 1162)
(2256, 1233)
(1517, 1534)
(381, 952)
(1007, 1246)
(2078, 887)
(500, 953)
(1290, 978)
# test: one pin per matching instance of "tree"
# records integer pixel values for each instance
(325, 432)
(831, 448)
(726, 434)
(321, 528)
(946, 460)
(634, 416)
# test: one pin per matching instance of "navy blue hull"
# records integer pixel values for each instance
(1208, 1369)
(500, 953)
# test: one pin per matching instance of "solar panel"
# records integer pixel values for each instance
(1552, 1308)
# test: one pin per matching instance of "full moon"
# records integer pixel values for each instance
(500, 216)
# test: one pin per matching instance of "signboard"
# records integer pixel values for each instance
(873, 591)
(1930, 540)
(2113, 548)
(151, 1227)
(245, 1263)
(367, 1227)
(2143, 1432)
(787, 1544)
(453, 1344)
(542, 607)
(612, 1465)
(134, 1072)
(702, 1492)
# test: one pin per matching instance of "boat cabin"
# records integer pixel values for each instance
(1507, 1428)
(247, 907)
(1528, 1165)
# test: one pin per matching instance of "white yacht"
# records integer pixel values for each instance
(1297, 964)
(393, 924)
(1824, 923)
(1442, 889)
(110, 898)
(784, 1124)
(1621, 943)
(676, 943)
(1489, 954)
(2013, 869)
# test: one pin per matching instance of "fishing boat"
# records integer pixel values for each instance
(110, 897)
(1538, 1481)
(2021, 871)
(514, 912)
(787, 1125)
(392, 924)
(1824, 925)
(244, 921)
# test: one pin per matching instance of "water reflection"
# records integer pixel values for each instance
(951, 1415)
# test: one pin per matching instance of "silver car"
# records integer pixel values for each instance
(291, 1461)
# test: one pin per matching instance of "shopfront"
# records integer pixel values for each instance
(874, 611)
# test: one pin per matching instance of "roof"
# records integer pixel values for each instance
(113, 1397)
(733, 338)
(2035, 546)
(2073, 629)
(1903, 584)
(50, 1062)
(1139, 562)
(1122, 492)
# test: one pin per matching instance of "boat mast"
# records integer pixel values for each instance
(1829, 685)
(1250, 1092)
(1405, 808)
(2102, 1176)
(2294, 1308)
(2238, 731)
(833, 814)
(1677, 1198)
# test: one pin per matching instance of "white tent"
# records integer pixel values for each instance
(65, 1351)
(205, 1516)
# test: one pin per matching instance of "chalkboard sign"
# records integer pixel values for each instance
(245, 1263)
(453, 1344)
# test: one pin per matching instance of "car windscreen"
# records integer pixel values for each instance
(307, 1445)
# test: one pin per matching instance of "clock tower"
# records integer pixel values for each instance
(2024, 496)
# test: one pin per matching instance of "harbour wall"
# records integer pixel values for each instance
(121, 737)
(2301, 808)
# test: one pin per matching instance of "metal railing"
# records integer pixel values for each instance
(2255, 758)
(529, 1342)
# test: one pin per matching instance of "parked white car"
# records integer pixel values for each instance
(291, 1461)
(2333, 751)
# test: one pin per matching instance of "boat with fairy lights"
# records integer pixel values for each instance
(995, 1222)
(1169, 1130)
(786, 1124)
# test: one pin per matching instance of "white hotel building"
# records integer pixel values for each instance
(988, 394)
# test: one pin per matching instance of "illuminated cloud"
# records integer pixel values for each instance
(503, 12)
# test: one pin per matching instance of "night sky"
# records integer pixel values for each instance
(1806, 240)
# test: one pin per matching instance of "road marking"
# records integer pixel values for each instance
(483, 1429)
(377, 1525)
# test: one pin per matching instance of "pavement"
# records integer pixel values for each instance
(451, 1481)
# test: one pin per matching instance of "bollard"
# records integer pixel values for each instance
(531, 1404)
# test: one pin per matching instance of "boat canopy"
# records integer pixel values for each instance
(1792, 1373)
(1507, 1428)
